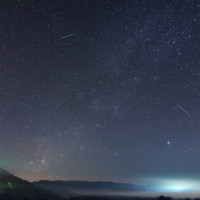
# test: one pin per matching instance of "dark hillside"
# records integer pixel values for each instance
(14, 188)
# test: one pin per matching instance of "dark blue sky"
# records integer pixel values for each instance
(100, 90)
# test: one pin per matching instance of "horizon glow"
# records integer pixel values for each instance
(174, 185)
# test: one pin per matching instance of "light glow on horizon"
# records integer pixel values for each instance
(172, 185)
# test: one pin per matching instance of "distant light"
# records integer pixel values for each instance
(174, 185)
(176, 188)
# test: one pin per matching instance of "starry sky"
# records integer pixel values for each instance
(100, 90)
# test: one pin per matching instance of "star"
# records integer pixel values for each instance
(168, 142)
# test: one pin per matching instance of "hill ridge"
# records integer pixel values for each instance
(13, 187)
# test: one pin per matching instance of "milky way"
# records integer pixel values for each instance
(100, 90)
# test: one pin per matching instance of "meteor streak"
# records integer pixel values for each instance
(66, 36)
(185, 111)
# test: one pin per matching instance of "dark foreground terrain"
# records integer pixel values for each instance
(14, 188)
(117, 198)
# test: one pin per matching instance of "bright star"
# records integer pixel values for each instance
(168, 142)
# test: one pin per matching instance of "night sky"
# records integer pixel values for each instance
(100, 90)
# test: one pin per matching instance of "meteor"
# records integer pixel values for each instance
(185, 111)
(66, 36)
